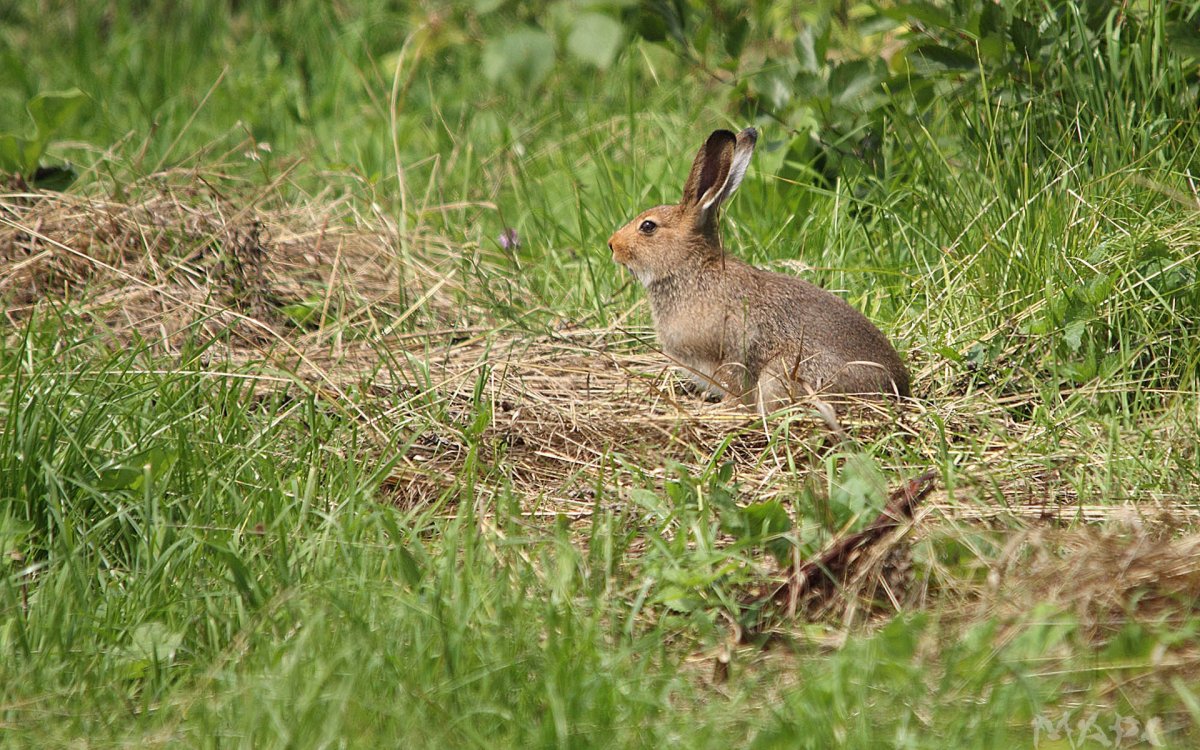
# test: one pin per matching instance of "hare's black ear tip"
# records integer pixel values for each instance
(718, 136)
(749, 134)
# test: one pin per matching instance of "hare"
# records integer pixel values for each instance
(759, 337)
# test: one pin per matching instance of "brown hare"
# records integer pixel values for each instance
(763, 338)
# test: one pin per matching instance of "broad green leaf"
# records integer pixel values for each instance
(54, 178)
(1099, 288)
(1025, 36)
(678, 598)
(811, 87)
(156, 640)
(811, 44)
(13, 531)
(768, 521)
(595, 39)
(12, 154)
(653, 23)
(797, 166)
(760, 522)
(877, 23)
(303, 314)
(150, 643)
(118, 478)
(948, 58)
(523, 57)
(51, 109)
(992, 19)
(410, 567)
(1085, 369)
(859, 490)
(773, 89)
(977, 355)
(1184, 38)
(949, 353)
(851, 80)
(1132, 643)
(994, 47)
(901, 637)
(926, 13)
(129, 472)
(1073, 334)
(767, 518)
(735, 37)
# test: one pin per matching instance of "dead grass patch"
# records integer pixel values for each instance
(401, 333)
(1104, 577)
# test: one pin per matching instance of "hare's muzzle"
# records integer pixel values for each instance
(617, 248)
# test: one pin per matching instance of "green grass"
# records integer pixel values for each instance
(207, 544)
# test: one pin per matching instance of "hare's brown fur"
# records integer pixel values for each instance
(765, 338)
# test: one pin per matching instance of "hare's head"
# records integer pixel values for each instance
(668, 239)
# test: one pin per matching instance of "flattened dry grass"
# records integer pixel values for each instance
(401, 334)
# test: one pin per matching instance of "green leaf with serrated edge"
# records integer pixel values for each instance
(1025, 36)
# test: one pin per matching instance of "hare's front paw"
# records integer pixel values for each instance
(689, 385)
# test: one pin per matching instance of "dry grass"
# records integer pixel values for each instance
(401, 339)
(565, 403)
(1100, 575)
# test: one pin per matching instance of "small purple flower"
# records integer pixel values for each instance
(508, 239)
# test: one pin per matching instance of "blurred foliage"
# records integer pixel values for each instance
(837, 78)
(834, 73)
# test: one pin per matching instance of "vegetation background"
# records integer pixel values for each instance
(326, 420)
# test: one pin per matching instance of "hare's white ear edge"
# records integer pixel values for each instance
(742, 151)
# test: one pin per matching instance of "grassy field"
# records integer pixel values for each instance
(326, 419)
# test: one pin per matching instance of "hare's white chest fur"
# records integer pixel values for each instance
(699, 345)
(702, 370)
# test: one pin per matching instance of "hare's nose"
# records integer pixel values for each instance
(610, 247)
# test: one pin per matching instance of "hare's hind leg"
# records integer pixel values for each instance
(778, 388)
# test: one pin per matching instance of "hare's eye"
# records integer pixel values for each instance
(647, 227)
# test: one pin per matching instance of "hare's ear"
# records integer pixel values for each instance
(709, 172)
(742, 151)
(717, 172)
